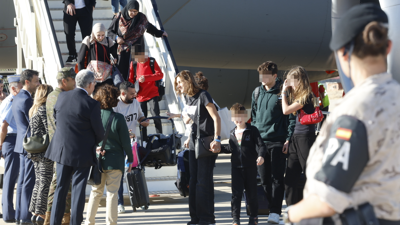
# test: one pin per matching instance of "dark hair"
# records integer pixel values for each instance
(125, 85)
(187, 76)
(107, 95)
(268, 67)
(238, 108)
(201, 80)
(373, 41)
(28, 75)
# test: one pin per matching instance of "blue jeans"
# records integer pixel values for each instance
(114, 4)
(121, 192)
(201, 191)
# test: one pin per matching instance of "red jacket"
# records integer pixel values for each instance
(148, 89)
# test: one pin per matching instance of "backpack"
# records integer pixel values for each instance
(256, 94)
(159, 83)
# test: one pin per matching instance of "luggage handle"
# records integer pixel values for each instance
(152, 118)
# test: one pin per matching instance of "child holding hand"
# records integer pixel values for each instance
(248, 151)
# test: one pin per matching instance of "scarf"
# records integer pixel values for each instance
(131, 34)
(133, 4)
(98, 27)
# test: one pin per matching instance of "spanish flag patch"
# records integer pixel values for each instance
(344, 134)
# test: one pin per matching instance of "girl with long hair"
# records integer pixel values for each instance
(201, 192)
(297, 95)
(43, 166)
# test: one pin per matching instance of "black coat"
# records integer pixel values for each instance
(89, 4)
(78, 129)
(252, 147)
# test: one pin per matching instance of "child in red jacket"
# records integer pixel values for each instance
(141, 71)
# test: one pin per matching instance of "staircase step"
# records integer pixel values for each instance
(100, 12)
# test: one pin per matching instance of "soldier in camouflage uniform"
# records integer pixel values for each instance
(353, 170)
(66, 82)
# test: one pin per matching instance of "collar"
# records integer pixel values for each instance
(27, 92)
(248, 126)
(83, 90)
(58, 89)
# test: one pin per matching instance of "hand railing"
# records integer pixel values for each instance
(37, 39)
(160, 49)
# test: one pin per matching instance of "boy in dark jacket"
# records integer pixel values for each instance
(275, 129)
(248, 151)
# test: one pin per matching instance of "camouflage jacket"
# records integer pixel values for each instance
(50, 103)
(374, 103)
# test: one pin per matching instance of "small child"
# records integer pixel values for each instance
(248, 151)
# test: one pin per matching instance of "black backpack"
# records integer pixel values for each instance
(159, 83)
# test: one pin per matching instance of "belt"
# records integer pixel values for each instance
(11, 135)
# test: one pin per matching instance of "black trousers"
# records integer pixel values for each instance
(272, 176)
(299, 148)
(79, 180)
(201, 189)
(84, 17)
(155, 111)
(123, 64)
(244, 179)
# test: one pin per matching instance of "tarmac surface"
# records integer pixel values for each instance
(173, 208)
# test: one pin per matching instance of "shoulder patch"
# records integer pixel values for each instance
(345, 155)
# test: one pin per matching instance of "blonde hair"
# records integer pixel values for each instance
(188, 77)
(303, 90)
(40, 98)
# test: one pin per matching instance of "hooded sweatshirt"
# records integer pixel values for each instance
(268, 117)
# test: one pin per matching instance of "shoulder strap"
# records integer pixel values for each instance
(134, 63)
(108, 128)
(198, 118)
(256, 94)
(152, 64)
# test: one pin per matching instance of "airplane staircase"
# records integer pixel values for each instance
(41, 43)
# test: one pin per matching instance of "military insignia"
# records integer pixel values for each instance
(343, 133)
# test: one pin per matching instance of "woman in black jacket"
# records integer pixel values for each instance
(127, 29)
(201, 192)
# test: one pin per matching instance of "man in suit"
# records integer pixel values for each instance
(8, 135)
(21, 104)
(80, 11)
(78, 131)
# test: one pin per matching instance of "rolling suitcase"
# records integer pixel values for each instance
(137, 187)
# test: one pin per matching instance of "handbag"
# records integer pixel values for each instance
(116, 76)
(202, 148)
(101, 70)
(96, 170)
(35, 144)
(309, 119)
(226, 123)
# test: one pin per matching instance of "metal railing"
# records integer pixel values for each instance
(36, 39)
(160, 49)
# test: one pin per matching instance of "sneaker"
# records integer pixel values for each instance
(273, 218)
(71, 59)
(236, 222)
(191, 223)
(253, 220)
(121, 209)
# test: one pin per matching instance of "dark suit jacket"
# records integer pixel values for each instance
(22, 103)
(89, 4)
(78, 129)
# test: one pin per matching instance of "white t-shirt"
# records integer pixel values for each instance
(132, 112)
(79, 4)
